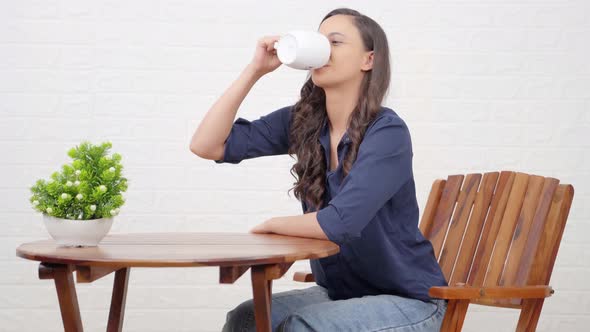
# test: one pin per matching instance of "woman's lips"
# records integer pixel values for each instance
(320, 68)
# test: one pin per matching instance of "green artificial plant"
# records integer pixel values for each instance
(88, 188)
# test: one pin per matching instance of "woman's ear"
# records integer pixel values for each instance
(368, 61)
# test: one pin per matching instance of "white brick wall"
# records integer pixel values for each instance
(484, 85)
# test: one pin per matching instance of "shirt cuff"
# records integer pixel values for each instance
(332, 225)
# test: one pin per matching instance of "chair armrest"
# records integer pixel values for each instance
(303, 277)
(493, 292)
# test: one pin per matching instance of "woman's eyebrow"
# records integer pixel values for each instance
(335, 33)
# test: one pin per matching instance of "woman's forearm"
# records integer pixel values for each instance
(209, 137)
(305, 225)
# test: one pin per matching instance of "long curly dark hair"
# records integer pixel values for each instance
(309, 113)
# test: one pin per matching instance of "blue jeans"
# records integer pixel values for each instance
(311, 309)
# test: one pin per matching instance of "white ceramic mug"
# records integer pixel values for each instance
(303, 49)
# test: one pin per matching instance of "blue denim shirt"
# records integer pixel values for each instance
(372, 214)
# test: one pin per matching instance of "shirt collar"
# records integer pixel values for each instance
(325, 135)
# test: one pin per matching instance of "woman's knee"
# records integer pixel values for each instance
(241, 318)
(294, 322)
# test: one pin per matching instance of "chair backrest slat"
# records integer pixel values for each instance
(458, 224)
(481, 207)
(490, 230)
(546, 252)
(431, 206)
(440, 222)
(504, 237)
(526, 236)
(500, 229)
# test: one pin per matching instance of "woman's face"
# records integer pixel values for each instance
(348, 58)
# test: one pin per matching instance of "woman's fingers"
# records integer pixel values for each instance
(265, 57)
(269, 42)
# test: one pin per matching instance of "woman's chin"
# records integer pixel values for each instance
(319, 79)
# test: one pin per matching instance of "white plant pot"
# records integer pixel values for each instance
(77, 233)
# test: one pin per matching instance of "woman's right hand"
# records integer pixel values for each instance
(265, 57)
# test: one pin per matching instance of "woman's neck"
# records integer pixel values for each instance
(340, 103)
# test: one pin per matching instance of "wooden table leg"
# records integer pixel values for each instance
(262, 291)
(117, 311)
(66, 293)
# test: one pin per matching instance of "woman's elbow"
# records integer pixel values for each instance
(206, 152)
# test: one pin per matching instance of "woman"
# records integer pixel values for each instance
(355, 182)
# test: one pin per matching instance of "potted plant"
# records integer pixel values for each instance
(80, 202)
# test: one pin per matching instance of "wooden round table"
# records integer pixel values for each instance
(268, 255)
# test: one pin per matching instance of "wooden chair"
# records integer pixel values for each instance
(497, 245)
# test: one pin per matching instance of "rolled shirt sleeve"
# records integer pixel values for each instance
(383, 165)
(265, 136)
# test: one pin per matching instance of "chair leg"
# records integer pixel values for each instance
(68, 300)
(529, 315)
(117, 311)
(455, 316)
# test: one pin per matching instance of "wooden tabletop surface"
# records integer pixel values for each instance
(182, 249)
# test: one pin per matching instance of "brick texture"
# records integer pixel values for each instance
(485, 85)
